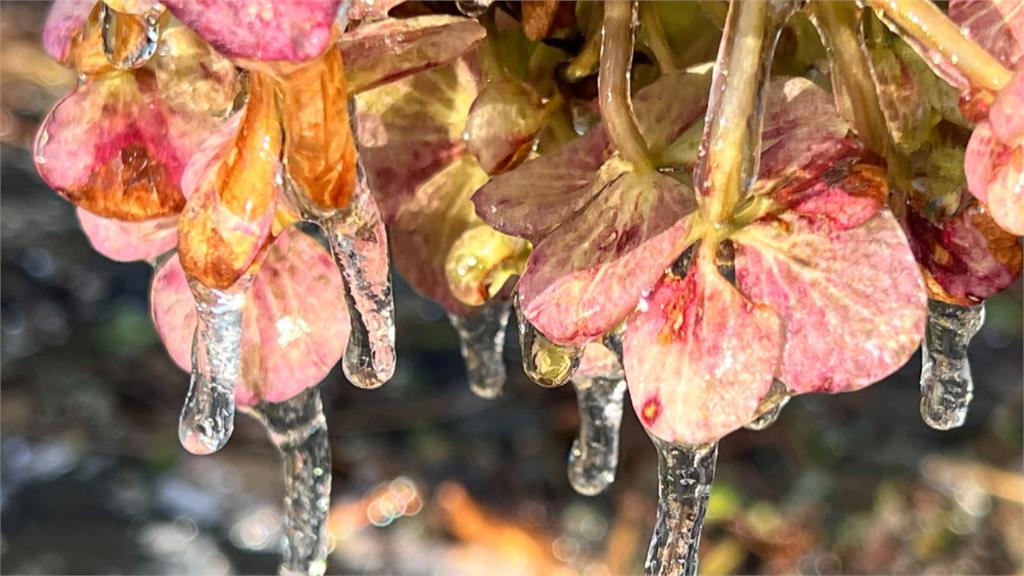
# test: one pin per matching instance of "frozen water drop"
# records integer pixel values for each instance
(130, 40)
(546, 363)
(482, 341)
(685, 475)
(298, 428)
(770, 407)
(359, 243)
(946, 384)
(595, 452)
(208, 416)
(472, 8)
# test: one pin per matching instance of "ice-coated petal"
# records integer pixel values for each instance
(481, 261)
(411, 129)
(536, 197)
(106, 148)
(429, 224)
(852, 301)
(232, 193)
(998, 25)
(319, 150)
(995, 175)
(502, 124)
(295, 324)
(699, 356)
(128, 241)
(803, 136)
(195, 82)
(291, 30)
(371, 10)
(586, 276)
(387, 51)
(966, 259)
(1004, 116)
(66, 20)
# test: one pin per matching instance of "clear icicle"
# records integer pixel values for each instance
(208, 417)
(130, 40)
(946, 384)
(546, 363)
(595, 452)
(299, 430)
(770, 407)
(685, 475)
(482, 341)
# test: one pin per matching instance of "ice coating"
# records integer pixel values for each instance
(684, 489)
(298, 428)
(130, 40)
(594, 455)
(770, 407)
(546, 363)
(482, 341)
(946, 384)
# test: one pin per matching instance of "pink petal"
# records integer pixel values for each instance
(803, 136)
(536, 197)
(995, 175)
(979, 160)
(699, 357)
(847, 198)
(371, 10)
(65, 20)
(1005, 118)
(969, 256)
(998, 25)
(128, 241)
(852, 301)
(410, 129)
(669, 105)
(598, 361)
(386, 51)
(296, 323)
(583, 279)
(291, 30)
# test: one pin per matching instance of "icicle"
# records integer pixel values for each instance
(684, 488)
(129, 40)
(771, 406)
(208, 417)
(545, 362)
(299, 430)
(595, 452)
(482, 341)
(946, 384)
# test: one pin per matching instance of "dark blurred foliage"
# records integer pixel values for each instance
(428, 478)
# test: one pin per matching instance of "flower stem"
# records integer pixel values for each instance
(613, 84)
(654, 37)
(730, 148)
(933, 30)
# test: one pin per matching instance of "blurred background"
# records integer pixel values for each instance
(427, 477)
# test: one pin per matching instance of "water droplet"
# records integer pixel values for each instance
(770, 407)
(359, 243)
(130, 40)
(298, 428)
(546, 363)
(472, 8)
(595, 452)
(208, 416)
(685, 475)
(482, 341)
(946, 384)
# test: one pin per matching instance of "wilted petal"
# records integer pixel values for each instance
(128, 241)
(428, 225)
(295, 324)
(65, 21)
(231, 201)
(998, 25)
(803, 136)
(585, 277)
(968, 258)
(387, 51)
(536, 197)
(320, 153)
(290, 30)
(410, 129)
(106, 147)
(699, 357)
(852, 301)
(502, 125)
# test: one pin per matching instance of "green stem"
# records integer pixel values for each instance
(613, 84)
(654, 36)
(925, 23)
